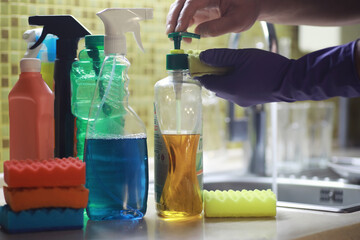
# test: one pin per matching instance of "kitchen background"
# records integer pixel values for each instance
(146, 68)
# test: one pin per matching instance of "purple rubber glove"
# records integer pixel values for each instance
(259, 76)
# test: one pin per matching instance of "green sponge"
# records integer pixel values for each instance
(198, 68)
(240, 203)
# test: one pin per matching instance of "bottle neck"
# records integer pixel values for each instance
(179, 75)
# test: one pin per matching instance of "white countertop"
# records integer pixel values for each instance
(288, 224)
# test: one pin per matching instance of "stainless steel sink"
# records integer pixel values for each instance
(322, 195)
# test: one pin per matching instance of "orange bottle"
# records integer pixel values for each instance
(31, 112)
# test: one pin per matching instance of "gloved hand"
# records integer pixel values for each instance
(259, 76)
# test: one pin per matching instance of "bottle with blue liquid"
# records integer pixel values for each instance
(115, 146)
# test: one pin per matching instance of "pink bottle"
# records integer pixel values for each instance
(31, 112)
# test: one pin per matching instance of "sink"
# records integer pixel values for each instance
(312, 194)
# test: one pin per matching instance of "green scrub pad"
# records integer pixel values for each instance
(240, 203)
(198, 68)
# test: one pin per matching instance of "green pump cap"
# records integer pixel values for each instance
(94, 41)
(177, 59)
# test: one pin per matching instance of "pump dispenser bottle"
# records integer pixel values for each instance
(115, 147)
(84, 74)
(69, 31)
(178, 138)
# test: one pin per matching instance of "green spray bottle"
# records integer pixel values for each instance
(83, 75)
(115, 147)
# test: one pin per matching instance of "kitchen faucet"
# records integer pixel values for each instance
(252, 127)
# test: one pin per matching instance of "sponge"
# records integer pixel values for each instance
(198, 68)
(240, 203)
(44, 173)
(42, 219)
(20, 199)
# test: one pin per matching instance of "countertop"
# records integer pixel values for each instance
(288, 224)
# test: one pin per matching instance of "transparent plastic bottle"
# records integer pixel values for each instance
(115, 147)
(84, 74)
(178, 141)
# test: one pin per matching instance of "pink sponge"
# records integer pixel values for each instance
(44, 173)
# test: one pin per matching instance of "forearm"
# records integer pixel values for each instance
(323, 74)
(310, 12)
(357, 57)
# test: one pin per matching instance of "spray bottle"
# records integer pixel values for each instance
(178, 137)
(115, 147)
(84, 74)
(31, 111)
(69, 31)
(45, 52)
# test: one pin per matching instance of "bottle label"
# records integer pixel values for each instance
(161, 160)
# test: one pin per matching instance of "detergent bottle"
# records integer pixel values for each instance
(69, 31)
(31, 113)
(115, 146)
(178, 137)
(84, 74)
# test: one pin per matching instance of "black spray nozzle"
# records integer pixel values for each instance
(63, 26)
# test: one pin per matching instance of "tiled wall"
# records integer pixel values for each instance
(146, 68)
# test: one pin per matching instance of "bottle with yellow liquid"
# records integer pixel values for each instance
(178, 138)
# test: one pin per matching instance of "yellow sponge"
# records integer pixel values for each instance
(240, 203)
(198, 69)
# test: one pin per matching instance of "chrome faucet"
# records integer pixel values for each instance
(252, 127)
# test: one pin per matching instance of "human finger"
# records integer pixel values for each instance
(173, 15)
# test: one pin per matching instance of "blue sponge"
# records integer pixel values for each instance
(41, 219)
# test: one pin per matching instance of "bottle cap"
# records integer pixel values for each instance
(30, 65)
(94, 41)
(177, 59)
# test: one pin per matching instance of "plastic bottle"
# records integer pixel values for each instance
(31, 113)
(69, 31)
(115, 147)
(178, 138)
(84, 74)
(47, 57)
(45, 52)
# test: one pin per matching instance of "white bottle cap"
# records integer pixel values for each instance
(30, 65)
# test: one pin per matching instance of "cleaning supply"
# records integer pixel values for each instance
(31, 114)
(239, 203)
(31, 173)
(47, 55)
(69, 31)
(45, 197)
(30, 38)
(45, 52)
(43, 219)
(84, 74)
(39, 190)
(115, 147)
(178, 137)
(198, 68)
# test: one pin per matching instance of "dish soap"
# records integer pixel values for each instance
(84, 74)
(178, 137)
(115, 146)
